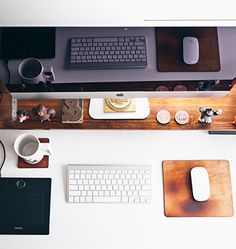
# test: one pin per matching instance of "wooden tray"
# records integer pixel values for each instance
(170, 49)
(42, 164)
(178, 199)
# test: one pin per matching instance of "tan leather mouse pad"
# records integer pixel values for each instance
(178, 198)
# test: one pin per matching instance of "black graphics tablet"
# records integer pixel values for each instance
(25, 205)
(23, 42)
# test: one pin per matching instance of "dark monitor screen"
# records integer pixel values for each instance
(24, 42)
(25, 205)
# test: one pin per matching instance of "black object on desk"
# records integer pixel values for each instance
(25, 205)
(222, 132)
(23, 42)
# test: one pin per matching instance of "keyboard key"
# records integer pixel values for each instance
(73, 193)
(104, 39)
(72, 181)
(77, 199)
(106, 199)
(124, 199)
(71, 199)
(73, 187)
(82, 199)
(88, 199)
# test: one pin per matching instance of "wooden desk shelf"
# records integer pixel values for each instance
(191, 105)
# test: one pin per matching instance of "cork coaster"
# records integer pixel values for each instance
(42, 164)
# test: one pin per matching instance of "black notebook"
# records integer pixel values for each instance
(25, 205)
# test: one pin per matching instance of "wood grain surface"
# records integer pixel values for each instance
(170, 49)
(191, 105)
(178, 198)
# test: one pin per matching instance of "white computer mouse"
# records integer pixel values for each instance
(200, 183)
(190, 50)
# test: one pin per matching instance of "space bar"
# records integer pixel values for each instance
(106, 199)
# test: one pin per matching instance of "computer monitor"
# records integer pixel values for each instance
(127, 89)
(129, 83)
(97, 92)
(144, 82)
(24, 42)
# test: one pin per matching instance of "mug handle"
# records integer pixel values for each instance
(49, 75)
(46, 148)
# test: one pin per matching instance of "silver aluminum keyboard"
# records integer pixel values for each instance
(107, 52)
(109, 183)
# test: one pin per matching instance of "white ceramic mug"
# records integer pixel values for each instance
(28, 147)
(31, 71)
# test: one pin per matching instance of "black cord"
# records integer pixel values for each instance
(8, 71)
(4, 156)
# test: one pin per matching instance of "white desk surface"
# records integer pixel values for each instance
(116, 226)
(112, 13)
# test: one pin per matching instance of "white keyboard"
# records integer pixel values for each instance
(109, 183)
